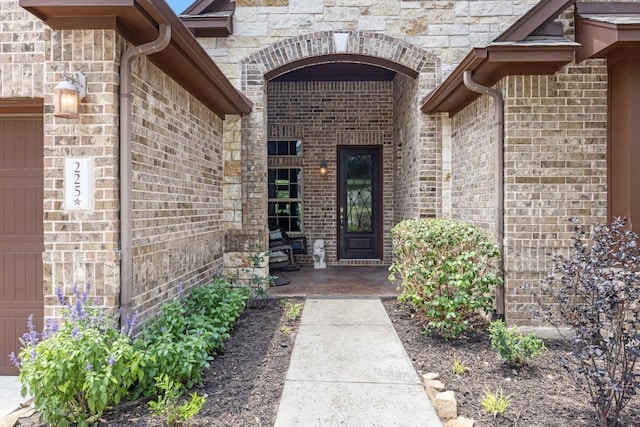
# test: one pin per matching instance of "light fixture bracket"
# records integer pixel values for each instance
(79, 80)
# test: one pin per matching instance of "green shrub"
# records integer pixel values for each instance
(75, 371)
(515, 348)
(183, 339)
(447, 270)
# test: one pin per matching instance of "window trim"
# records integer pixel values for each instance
(299, 200)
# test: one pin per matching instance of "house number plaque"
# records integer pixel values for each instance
(78, 184)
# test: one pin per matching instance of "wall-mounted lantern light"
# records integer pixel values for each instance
(323, 167)
(68, 94)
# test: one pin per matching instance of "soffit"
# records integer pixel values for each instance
(184, 60)
(337, 71)
(494, 62)
(340, 66)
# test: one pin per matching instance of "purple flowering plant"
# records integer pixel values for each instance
(79, 366)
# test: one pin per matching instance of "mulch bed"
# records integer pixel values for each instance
(244, 383)
(542, 394)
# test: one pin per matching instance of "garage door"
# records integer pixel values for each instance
(21, 235)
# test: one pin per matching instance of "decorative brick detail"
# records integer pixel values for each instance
(360, 42)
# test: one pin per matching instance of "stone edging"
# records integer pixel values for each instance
(444, 401)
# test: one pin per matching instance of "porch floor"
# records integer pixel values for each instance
(337, 280)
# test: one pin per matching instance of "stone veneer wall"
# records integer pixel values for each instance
(446, 28)
(178, 166)
(555, 169)
(326, 115)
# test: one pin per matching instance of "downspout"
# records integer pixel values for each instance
(499, 176)
(126, 167)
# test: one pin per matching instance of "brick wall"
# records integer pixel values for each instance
(178, 232)
(555, 169)
(22, 52)
(417, 153)
(473, 197)
(82, 247)
(325, 115)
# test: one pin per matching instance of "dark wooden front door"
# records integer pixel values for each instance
(21, 231)
(360, 202)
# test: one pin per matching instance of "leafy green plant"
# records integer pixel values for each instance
(260, 283)
(495, 403)
(258, 297)
(292, 310)
(447, 270)
(79, 368)
(183, 339)
(458, 367)
(515, 348)
(596, 292)
(167, 406)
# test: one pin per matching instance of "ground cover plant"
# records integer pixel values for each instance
(596, 291)
(447, 270)
(182, 341)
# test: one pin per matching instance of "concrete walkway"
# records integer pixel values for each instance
(349, 368)
(11, 401)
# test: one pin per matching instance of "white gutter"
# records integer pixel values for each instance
(126, 167)
(499, 176)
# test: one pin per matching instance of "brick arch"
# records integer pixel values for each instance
(364, 47)
(419, 73)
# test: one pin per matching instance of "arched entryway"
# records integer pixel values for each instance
(348, 102)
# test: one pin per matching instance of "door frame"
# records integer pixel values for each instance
(377, 202)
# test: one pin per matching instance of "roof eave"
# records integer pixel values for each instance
(600, 39)
(184, 60)
(538, 16)
(492, 63)
(210, 26)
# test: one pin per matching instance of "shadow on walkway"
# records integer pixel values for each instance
(337, 280)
